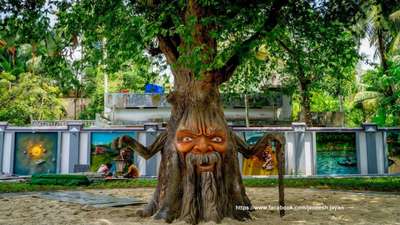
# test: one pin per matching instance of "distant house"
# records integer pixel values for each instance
(134, 109)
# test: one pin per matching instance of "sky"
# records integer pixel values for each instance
(368, 51)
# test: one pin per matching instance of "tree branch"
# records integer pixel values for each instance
(169, 49)
(301, 75)
(146, 153)
(224, 73)
(248, 151)
(284, 46)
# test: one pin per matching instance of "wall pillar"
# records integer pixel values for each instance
(140, 161)
(300, 155)
(151, 164)
(371, 150)
(289, 153)
(74, 129)
(3, 127)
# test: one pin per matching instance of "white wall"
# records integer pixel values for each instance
(64, 152)
(84, 148)
(7, 153)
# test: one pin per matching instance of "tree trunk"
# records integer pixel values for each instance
(382, 51)
(281, 171)
(305, 104)
(199, 175)
(197, 108)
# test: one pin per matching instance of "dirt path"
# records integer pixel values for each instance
(351, 208)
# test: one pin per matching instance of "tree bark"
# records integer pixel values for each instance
(168, 197)
(198, 105)
(306, 103)
(382, 51)
(281, 171)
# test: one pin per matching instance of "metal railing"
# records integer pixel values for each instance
(59, 123)
(134, 100)
(128, 100)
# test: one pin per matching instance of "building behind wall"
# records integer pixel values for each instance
(136, 109)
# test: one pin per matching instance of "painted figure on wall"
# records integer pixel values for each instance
(263, 163)
(393, 142)
(35, 153)
(103, 153)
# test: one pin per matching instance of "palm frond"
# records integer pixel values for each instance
(363, 96)
(395, 43)
(395, 16)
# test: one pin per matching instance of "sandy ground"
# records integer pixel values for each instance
(353, 208)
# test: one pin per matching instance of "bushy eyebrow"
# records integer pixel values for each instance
(197, 133)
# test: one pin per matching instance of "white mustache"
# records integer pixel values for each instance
(198, 159)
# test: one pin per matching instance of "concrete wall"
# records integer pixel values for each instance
(300, 147)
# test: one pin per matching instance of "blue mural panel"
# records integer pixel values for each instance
(35, 153)
(102, 151)
(336, 154)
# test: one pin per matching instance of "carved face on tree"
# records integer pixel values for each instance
(201, 133)
(202, 141)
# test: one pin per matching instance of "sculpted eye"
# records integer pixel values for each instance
(187, 139)
(216, 139)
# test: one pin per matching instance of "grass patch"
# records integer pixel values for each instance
(134, 183)
(59, 179)
(387, 184)
(390, 184)
(8, 187)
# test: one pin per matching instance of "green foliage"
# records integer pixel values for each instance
(30, 44)
(307, 46)
(321, 101)
(95, 106)
(381, 95)
(32, 98)
(131, 77)
(251, 77)
(319, 58)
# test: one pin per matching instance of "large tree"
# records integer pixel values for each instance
(203, 42)
(319, 54)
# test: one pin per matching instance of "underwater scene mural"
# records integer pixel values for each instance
(336, 153)
(35, 153)
(393, 144)
(106, 158)
(263, 163)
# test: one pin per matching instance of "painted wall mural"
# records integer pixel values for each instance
(263, 163)
(336, 153)
(35, 153)
(393, 144)
(102, 152)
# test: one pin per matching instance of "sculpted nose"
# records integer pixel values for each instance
(202, 146)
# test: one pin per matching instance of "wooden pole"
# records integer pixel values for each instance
(281, 187)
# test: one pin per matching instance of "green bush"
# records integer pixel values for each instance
(56, 179)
